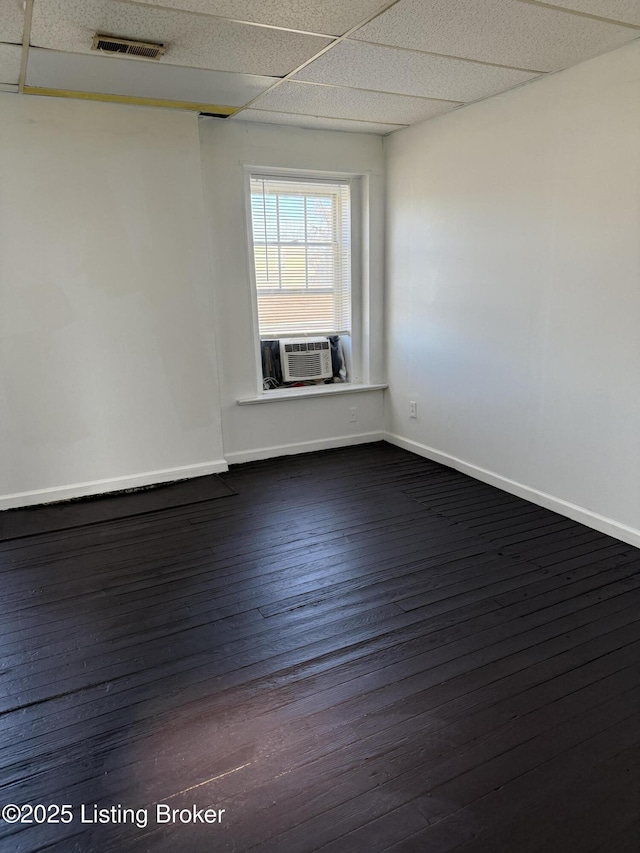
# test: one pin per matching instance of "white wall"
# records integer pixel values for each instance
(514, 290)
(273, 428)
(107, 359)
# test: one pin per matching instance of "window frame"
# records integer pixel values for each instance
(359, 189)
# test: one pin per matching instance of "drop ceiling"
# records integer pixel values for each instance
(354, 65)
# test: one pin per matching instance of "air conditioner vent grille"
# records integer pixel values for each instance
(310, 346)
(128, 47)
(304, 364)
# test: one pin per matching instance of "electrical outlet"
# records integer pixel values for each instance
(413, 409)
(353, 415)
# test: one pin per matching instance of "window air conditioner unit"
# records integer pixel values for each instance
(305, 358)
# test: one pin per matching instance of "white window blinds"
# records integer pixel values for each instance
(302, 253)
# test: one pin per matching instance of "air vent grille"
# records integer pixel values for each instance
(128, 47)
(307, 346)
(305, 364)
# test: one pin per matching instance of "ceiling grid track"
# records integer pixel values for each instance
(599, 18)
(26, 41)
(320, 53)
(305, 64)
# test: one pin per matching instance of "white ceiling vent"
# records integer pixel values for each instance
(128, 47)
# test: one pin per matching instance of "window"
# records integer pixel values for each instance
(301, 234)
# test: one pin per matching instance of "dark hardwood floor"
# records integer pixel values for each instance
(359, 651)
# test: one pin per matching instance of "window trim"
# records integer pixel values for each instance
(284, 394)
(359, 192)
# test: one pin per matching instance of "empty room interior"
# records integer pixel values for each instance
(320, 426)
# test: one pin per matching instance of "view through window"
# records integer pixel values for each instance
(301, 231)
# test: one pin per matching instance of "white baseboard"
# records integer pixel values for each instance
(631, 535)
(302, 447)
(113, 484)
(601, 523)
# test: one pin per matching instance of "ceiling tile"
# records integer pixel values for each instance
(337, 102)
(331, 17)
(11, 21)
(315, 122)
(389, 69)
(627, 11)
(110, 75)
(506, 32)
(10, 59)
(192, 40)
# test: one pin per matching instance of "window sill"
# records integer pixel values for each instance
(282, 394)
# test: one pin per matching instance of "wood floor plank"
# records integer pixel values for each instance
(478, 826)
(360, 651)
